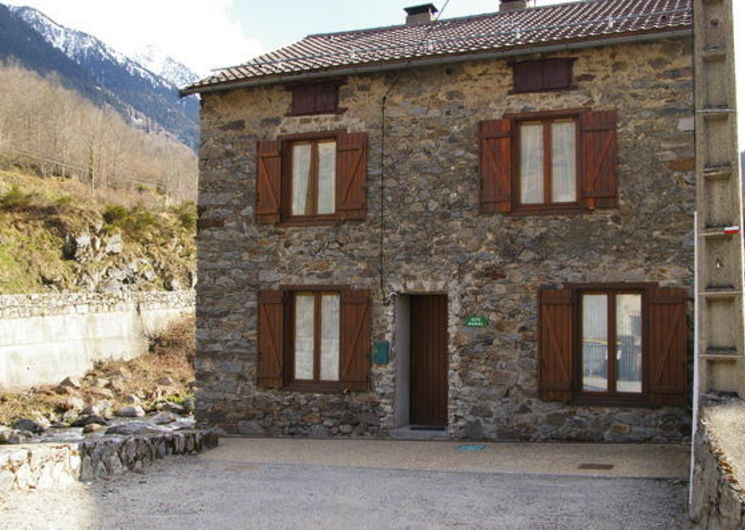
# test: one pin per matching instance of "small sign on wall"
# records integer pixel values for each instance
(381, 352)
(477, 322)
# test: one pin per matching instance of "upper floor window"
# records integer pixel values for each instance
(547, 167)
(542, 75)
(315, 98)
(549, 162)
(311, 178)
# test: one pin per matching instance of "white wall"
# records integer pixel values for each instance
(45, 338)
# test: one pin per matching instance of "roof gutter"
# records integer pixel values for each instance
(447, 59)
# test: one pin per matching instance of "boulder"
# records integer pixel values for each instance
(71, 382)
(131, 399)
(25, 424)
(114, 245)
(92, 427)
(5, 434)
(19, 437)
(101, 407)
(130, 412)
(164, 417)
(71, 403)
(84, 421)
(170, 406)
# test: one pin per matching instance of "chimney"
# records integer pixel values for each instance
(512, 5)
(420, 14)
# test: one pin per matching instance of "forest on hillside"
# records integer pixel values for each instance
(53, 131)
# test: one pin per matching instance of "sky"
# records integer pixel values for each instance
(209, 34)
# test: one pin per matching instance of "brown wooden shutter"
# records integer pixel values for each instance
(600, 159)
(668, 347)
(270, 339)
(495, 140)
(557, 73)
(555, 344)
(351, 175)
(268, 179)
(356, 311)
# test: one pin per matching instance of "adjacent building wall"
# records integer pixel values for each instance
(434, 240)
(47, 337)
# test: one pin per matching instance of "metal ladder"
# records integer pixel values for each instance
(719, 242)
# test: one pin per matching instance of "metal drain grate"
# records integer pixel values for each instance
(596, 466)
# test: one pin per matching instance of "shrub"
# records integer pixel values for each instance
(16, 200)
(114, 213)
(187, 215)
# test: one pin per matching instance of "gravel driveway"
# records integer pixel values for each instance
(193, 492)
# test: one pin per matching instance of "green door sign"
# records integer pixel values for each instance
(477, 322)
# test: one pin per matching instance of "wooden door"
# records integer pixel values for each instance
(428, 401)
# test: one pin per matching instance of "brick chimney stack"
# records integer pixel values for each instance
(512, 5)
(420, 14)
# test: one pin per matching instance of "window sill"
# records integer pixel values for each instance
(340, 110)
(315, 388)
(523, 211)
(614, 400)
(560, 89)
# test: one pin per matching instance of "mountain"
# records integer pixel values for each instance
(98, 72)
(155, 60)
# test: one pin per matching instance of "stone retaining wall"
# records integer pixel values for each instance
(47, 337)
(46, 466)
(718, 494)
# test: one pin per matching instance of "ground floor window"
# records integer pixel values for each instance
(614, 344)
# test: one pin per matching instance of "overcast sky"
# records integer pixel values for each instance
(208, 34)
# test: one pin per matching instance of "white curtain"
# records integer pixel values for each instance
(330, 337)
(326, 177)
(304, 316)
(531, 163)
(629, 343)
(300, 179)
(564, 162)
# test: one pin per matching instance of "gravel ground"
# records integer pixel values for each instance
(189, 492)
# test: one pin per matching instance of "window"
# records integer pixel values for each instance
(547, 167)
(312, 178)
(315, 98)
(549, 162)
(542, 75)
(314, 339)
(614, 344)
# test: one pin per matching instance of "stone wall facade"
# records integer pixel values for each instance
(424, 234)
(47, 337)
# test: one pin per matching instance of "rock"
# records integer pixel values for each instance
(92, 427)
(172, 284)
(4, 434)
(101, 392)
(28, 425)
(170, 406)
(115, 245)
(72, 403)
(101, 407)
(72, 382)
(130, 412)
(164, 417)
(136, 427)
(131, 399)
(165, 380)
(19, 437)
(88, 420)
(77, 245)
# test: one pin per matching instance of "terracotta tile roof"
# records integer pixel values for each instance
(521, 29)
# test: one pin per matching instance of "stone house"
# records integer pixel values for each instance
(477, 227)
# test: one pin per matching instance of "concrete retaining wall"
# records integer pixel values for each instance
(47, 337)
(48, 466)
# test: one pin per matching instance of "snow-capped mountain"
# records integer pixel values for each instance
(98, 71)
(155, 60)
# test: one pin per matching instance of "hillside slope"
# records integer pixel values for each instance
(58, 235)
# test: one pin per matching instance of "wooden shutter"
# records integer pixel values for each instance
(555, 344)
(270, 340)
(557, 73)
(355, 339)
(599, 146)
(495, 140)
(268, 179)
(351, 175)
(668, 347)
